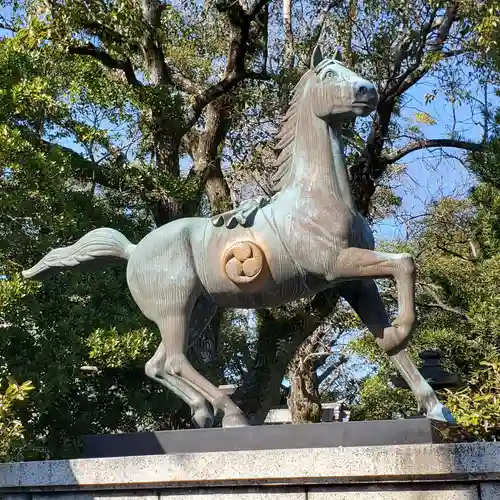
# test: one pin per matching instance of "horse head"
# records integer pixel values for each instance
(337, 93)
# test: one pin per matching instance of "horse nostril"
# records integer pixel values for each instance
(366, 93)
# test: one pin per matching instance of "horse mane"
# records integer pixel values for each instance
(286, 135)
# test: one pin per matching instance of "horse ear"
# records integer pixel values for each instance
(316, 57)
(338, 55)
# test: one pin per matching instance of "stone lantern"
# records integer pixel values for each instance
(432, 372)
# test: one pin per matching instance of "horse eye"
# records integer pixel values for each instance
(330, 74)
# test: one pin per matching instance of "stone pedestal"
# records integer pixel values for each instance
(272, 437)
(468, 471)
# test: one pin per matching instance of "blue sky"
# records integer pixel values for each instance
(427, 176)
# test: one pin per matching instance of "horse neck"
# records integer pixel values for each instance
(319, 163)
(340, 166)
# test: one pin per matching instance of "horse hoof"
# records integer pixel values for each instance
(235, 420)
(441, 414)
(203, 418)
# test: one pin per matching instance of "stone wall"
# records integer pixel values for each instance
(403, 472)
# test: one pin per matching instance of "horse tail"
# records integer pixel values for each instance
(103, 244)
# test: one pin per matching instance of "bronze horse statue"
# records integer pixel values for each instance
(307, 238)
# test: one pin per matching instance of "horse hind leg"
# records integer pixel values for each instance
(178, 318)
(176, 364)
(201, 414)
(364, 298)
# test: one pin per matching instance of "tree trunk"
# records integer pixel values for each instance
(304, 401)
(260, 389)
(280, 334)
(207, 156)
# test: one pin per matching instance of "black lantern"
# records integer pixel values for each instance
(435, 376)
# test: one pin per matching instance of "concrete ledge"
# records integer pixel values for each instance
(468, 462)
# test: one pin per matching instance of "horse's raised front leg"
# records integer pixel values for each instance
(201, 414)
(364, 298)
(361, 263)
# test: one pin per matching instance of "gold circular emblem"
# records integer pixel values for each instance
(243, 262)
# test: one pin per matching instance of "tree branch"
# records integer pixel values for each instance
(219, 89)
(444, 27)
(331, 368)
(278, 339)
(85, 169)
(105, 32)
(287, 24)
(178, 80)
(124, 65)
(439, 304)
(431, 143)
(240, 20)
(455, 254)
(165, 65)
(444, 307)
(88, 171)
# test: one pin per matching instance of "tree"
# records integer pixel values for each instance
(51, 331)
(476, 406)
(400, 53)
(11, 428)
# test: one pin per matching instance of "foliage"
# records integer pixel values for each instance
(457, 296)
(477, 406)
(53, 329)
(380, 401)
(486, 24)
(11, 428)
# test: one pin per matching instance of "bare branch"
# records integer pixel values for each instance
(455, 254)
(400, 83)
(164, 66)
(438, 304)
(223, 87)
(8, 27)
(453, 53)
(106, 33)
(317, 354)
(124, 65)
(473, 251)
(431, 143)
(413, 46)
(444, 28)
(444, 307)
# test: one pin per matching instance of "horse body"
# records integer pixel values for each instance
(295, 270)
(308, 238)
